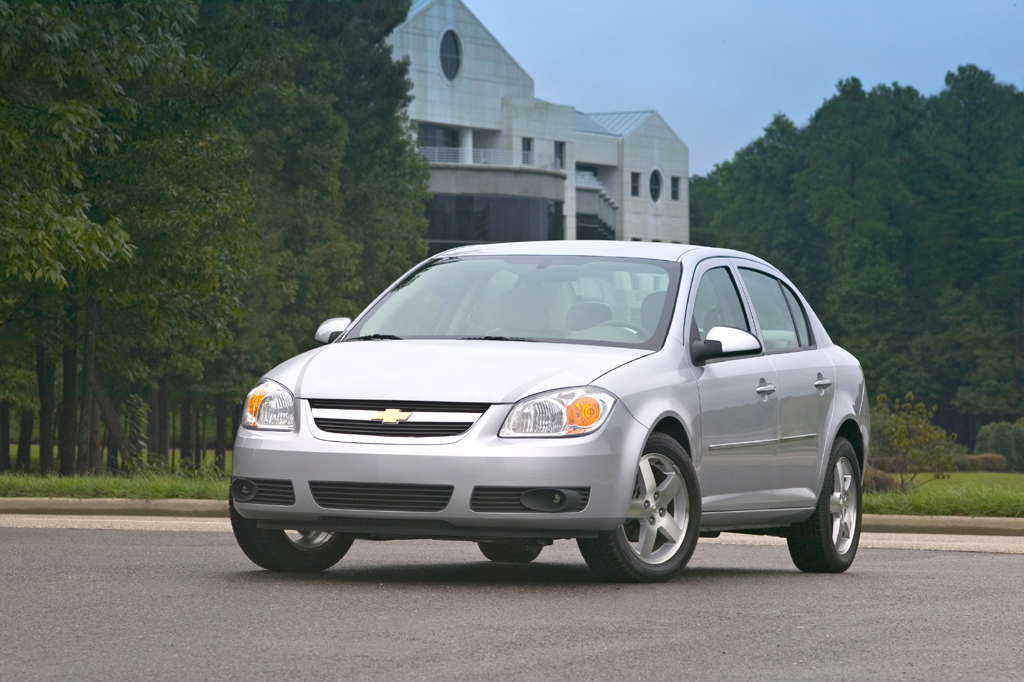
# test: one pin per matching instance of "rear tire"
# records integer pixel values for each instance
(510, 552)
(827, 542)
(276, 550)
(659, 537)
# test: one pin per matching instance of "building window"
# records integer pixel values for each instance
(437, 136)
(527, 151)
(655, 186)
(675, 188)
(559, 155)
(634, 184)
(459, 220)
(451, 55)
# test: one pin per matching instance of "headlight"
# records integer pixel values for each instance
(565, 412)
(269, 406)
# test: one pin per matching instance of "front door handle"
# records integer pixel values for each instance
(822, 384)
(766, 389)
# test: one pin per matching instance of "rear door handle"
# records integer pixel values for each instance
(767, 389)
(822, 383)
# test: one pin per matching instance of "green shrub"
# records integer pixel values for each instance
(1005, 439)
(878, 481)
(985, 462)
(906, 443)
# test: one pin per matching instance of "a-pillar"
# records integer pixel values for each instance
(466, 145)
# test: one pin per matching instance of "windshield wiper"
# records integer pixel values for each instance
(497, 338)
(376, 337)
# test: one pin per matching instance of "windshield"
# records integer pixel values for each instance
(598, 301)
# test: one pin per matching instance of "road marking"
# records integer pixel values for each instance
(943, 543)
(114, 522)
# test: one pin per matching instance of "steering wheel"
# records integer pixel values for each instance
(622, 323)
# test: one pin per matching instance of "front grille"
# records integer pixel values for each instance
(403, 405)
(354, 417)
(381, 496)
(400, 429)
(495, 499)
(270, 491)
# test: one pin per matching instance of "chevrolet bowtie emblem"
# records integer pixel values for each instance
(392, 416)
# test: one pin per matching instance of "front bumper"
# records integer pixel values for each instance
(604, 461)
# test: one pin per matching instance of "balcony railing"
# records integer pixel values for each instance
(489, 157)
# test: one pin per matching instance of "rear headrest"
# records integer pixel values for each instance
(587, 314)
(522, 309)
(650, 310)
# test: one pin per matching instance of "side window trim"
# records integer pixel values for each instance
(807, 321)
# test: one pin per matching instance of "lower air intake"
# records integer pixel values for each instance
(496, 499)
(271, 491)
(381, 496)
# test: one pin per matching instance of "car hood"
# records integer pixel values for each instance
(445, 370)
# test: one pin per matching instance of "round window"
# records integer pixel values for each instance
(451, 55)
(655, 185)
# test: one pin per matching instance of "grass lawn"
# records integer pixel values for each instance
(137, 487)
(962, 494)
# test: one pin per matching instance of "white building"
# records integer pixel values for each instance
(506, 166)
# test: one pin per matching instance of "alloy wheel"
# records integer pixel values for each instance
(308, 540)
(659, 511)
(843, 506)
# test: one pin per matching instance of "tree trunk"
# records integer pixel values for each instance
(95, 442)
(153, 432)
(220, 445)
(186, 433)
(5, 435)
(24, 441)
(112, 466)
(46, 376)
(85, 422)
(164, 437)
(111, 417)
(200, 434)
(69, 406)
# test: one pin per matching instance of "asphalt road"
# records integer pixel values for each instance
(85, 604)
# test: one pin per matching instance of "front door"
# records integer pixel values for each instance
(738, 403)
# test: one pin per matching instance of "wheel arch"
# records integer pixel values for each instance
(673, 427)
(850, 430)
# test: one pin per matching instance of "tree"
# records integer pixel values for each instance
(901, 218)
(903, 436)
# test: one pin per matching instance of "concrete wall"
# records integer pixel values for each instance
(487, 76)
(497, 181)
(653, 145)
(491, 101)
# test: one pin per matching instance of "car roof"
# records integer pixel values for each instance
(603, 248)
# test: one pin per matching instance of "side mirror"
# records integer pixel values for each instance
(724, 342)
(332, 329)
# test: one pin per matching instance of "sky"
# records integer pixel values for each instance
(718, 71)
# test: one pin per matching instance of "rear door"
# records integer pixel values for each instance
(738, 406)
(804, 375)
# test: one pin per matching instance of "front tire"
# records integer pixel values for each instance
(510, 552)
(659, 536)
(827, 542)
(287, 551)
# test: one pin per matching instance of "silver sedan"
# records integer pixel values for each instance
(633, 396)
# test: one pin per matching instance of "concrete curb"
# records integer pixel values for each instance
(113, 507)
(943, 525)
(872, 523)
